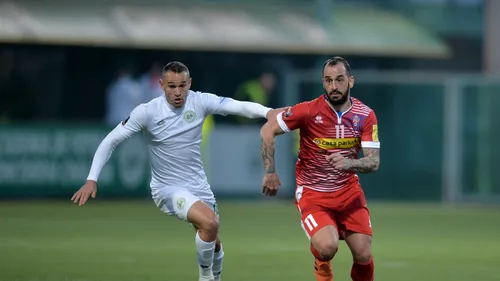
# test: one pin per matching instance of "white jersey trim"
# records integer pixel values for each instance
(282, 123)
(370, 144)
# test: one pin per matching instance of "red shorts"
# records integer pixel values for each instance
(345, 209)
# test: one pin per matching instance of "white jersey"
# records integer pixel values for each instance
(174, 137)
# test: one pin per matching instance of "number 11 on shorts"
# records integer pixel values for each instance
(310, 222)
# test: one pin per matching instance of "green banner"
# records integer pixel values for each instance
(45, 160)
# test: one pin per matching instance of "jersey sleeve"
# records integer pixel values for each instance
(211, 103)
(369, 133)
(134, 123)
(293, 118)
(214, 104)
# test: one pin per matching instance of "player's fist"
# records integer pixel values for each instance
(83, 194)
(339, 162)
(270, 184)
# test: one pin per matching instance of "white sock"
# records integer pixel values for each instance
(205, 255)
(217, 267)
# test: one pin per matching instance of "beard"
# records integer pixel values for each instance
(338, 98)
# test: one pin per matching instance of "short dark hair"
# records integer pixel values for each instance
(176, 67)
(334, 61)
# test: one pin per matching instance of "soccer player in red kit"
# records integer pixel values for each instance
(333, 129)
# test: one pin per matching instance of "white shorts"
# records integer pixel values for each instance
(177, 202)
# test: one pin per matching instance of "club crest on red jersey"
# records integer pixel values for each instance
(288, 112)
(355, 120)
(355, 123)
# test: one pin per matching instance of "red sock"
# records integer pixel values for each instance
(363, 271)
(315, 253)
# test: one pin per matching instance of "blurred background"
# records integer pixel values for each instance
(71, 70)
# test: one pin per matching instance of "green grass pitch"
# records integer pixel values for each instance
(134, 241)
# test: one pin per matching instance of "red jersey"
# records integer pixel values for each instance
(324, 131)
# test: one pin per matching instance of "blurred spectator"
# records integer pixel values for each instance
(149, 82)
(123, 95)
(257, 90)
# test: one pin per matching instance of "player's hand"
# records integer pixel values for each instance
(339, 162)
(270, 184)
(83, 194)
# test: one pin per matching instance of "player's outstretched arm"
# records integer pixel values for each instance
(223, 105)
(121, 132)
(101, 156)
(243, 108)
(271, 180)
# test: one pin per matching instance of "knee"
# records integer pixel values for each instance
(363, 255)
(326, 249)
(210, 225)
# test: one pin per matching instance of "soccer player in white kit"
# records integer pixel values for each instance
(179, 187)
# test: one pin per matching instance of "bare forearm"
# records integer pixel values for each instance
(267, 151)
(364, 165)
(367, 164)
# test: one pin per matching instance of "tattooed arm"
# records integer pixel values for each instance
(369, 163)
(267, 136)
(268, 133)
(371, 147)
(286, 121)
